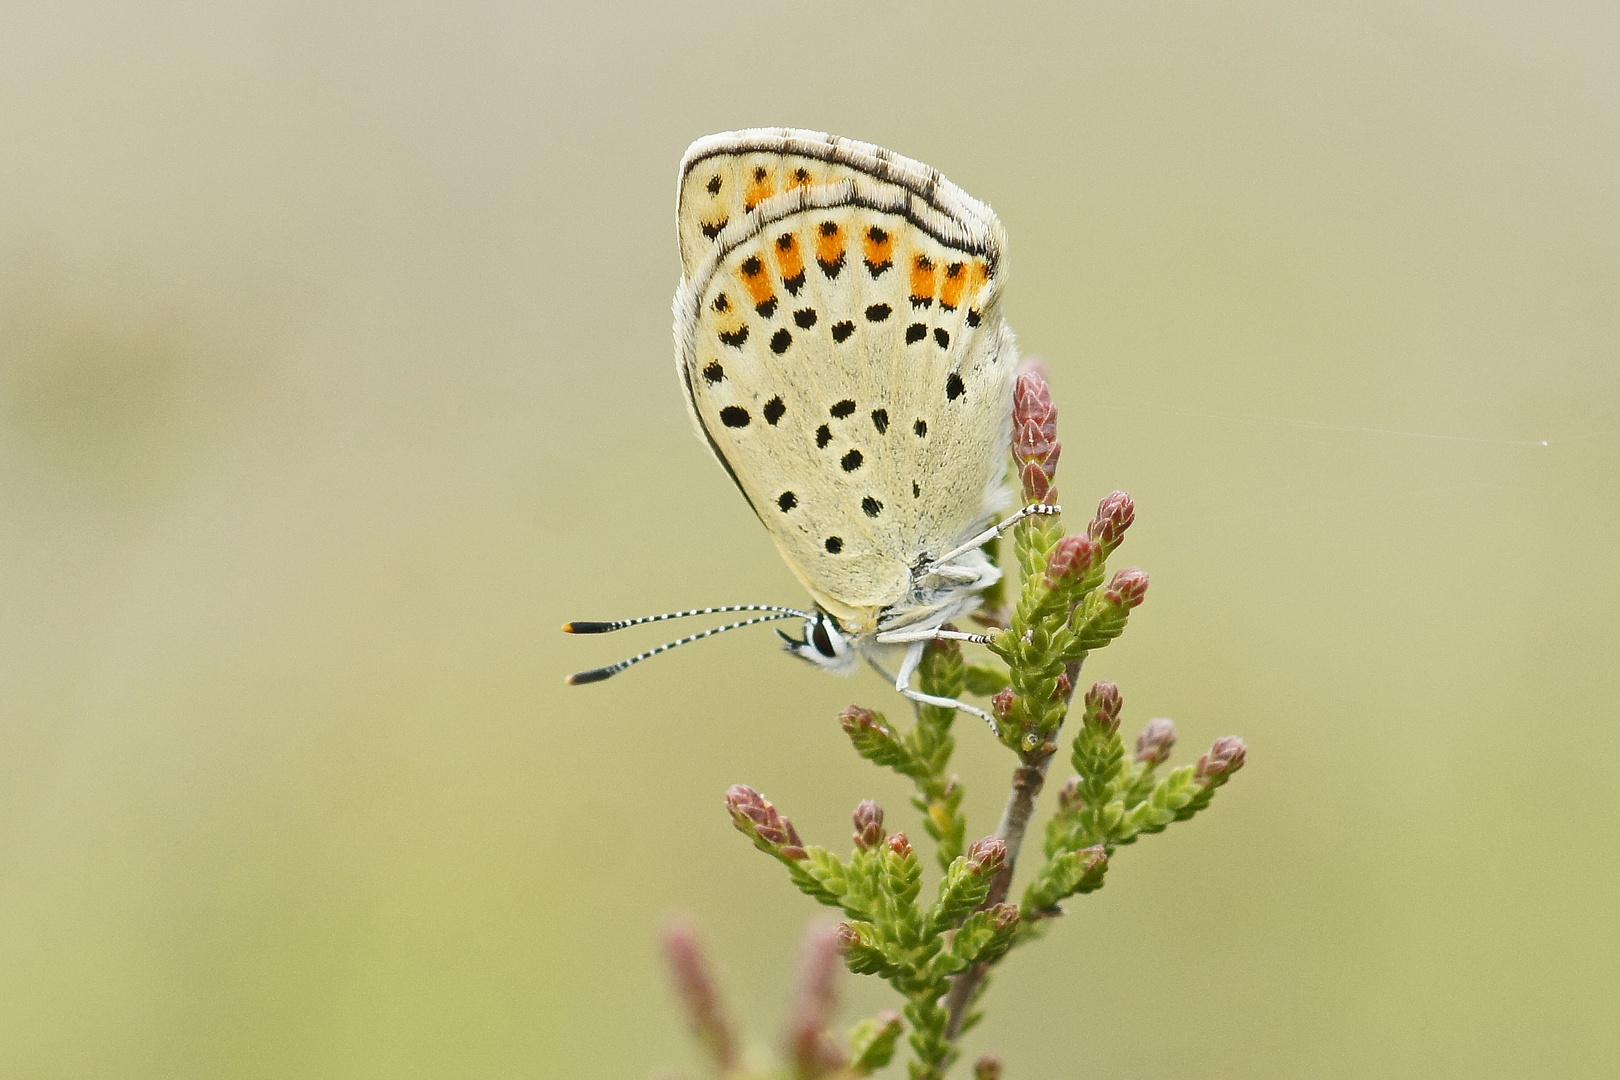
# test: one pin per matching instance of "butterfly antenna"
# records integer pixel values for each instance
(620, 624)
(598, 674)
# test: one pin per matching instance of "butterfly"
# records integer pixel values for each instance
(841, 347)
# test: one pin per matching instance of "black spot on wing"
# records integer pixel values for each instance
(794, 283)
(711, 229)
(787, 501)
(805, 318)
(714, 184)
(842, 330)
(871, 507)
(774, 410)
(973, 317)
(766, 309)
(823, 437)
(736, 339)
(734, 416)
(916, 490)
(851, 461)
(915, 333)
(721, 303)
(942, 337)
(780, 342)
(953, 386)
(880, 420)
(920, 427)
(877, 312)
(842, 409)
(713, 372)
(831, 267)
(834, 545)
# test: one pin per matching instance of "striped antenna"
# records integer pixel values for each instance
(598, 674)
(620, 624)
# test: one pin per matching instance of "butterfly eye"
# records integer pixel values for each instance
(820, 639)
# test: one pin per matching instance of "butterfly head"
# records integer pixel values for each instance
(824, 644)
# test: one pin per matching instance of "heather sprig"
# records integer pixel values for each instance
(809, 1049)
(936, 946)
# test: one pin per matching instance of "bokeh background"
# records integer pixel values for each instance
(335, 374)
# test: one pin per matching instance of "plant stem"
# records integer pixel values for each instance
(1027, 781)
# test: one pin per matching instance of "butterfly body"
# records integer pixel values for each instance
(839, 337)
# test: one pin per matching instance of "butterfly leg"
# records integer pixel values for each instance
(908, 668)
(994, 531)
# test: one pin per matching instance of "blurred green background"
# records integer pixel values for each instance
(335, 374)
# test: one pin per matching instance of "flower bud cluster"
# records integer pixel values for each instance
(1103, 702)
(1035, 443)
(986, 857)
(1071, 561)
(1224, 758)
(756, 817)
(1114, 515)
(868, 825)
(1154, 744)
(1128, 588)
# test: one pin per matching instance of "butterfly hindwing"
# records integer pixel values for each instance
(840, 339)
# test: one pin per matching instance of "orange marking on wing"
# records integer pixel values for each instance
(829, 244)
(922, 279)
(761, 186)
(981, 276)
(879, 246)
(956, 279)
(789, 259)
(756, 280)
(799, 178)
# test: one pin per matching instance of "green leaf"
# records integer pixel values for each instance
(1063, 876)
(984, 681)
(872, 1043)
(985, 935)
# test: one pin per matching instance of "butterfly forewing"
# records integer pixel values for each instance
(840, 338)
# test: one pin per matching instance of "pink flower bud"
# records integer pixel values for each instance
(900, 845)
(855, 718)
(1035, 445)
(814, 1002)
(694, 984)
(1224, 758)
(1071, 560)
(1036, 483)
(1064, 687)
(1103, 703)
(752, 814)
(868, 825)
(986, 857)
(987, 1067)
(1003, 915)
(1153, 745)
(1069, 795)
(1128, 588)
(1002, 704)
(1114, 516)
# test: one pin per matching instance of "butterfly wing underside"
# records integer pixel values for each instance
(839, 336)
